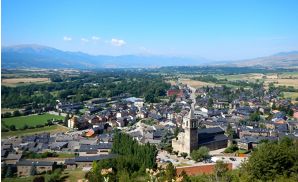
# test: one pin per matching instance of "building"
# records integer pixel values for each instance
(187, 140)
(212, 138)
(192, 138)
(27, 167)
(87, 161)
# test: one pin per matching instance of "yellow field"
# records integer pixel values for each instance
(292, 95)
(20, 81)
(195, 83)
(283, 79)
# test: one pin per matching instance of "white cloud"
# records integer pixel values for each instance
(95, 38)
(84, 40)
(118, 42)
(66, 38)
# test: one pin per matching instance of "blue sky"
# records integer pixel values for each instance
(214, 29)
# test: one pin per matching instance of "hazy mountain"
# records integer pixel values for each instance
(36, 56)
(282, 59)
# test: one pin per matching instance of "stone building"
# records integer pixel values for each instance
(26, 167)
(187, 140)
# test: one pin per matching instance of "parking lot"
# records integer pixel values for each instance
(164, 156)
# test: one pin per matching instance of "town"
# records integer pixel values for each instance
(193, 129)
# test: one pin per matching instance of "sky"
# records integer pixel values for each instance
(213, 29)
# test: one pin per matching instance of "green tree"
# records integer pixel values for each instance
(9, 172)
(271, 160)
(33, 171)
(255, 116)
(184, 155)
(12, 127)
(66, 119)
(220, 170)
(200, 154)
(170, 172)
(16, 113)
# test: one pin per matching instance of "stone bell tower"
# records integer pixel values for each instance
(191, 133)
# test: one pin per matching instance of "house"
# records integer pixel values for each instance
(25, 167)
(87, 161)
(92, 150)
(70, 164)
(12, 158)
(250, 142)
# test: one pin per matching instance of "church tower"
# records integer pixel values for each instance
(191, 133)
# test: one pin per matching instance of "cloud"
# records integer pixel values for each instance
(144, 50)
(95, 38)
(118, 42)
(66, 38)
(84, 40)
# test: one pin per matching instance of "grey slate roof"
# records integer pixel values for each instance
(35, 163)
(94, 158)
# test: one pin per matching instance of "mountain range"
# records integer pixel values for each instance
(37, 56)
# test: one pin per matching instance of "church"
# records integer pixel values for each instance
(192, 138)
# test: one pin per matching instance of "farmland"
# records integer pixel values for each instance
(13, 82)
(195, 83)
(31, 120)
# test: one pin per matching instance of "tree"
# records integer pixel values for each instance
(271, 160)
(12, 127)
(200, 154)
(66, 119)
(9, 172)
(55, 176)
(184, 155)
(230, 131)
(231, 148)
(255, 116)
(210, 102)
(220, 170)
(16, 113)
(33, 171)
(7, 115)
(170, 172)
(39, 179)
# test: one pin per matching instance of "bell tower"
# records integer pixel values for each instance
(191, 132)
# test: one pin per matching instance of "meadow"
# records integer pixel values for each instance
(13, 82)
(30, 120)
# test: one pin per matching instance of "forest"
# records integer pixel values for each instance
(83, 87)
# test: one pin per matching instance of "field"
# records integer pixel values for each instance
(31, 120)
(195, 83)
(292, 95)
(13, 82)
(50, 129)
(66, 176)
(280, 79)
(73, 175)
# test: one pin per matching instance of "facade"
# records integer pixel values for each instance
(187, 140)
(26, 167)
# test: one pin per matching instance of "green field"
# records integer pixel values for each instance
(30, 120)
(50, 129)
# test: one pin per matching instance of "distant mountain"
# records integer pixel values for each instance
(282, 59)
(37, 56)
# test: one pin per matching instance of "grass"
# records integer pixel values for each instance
(66, 155)
(30, 120)
(292, 95)
(67, 176)
(18, 179)
(73, 175)
(51, 129)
